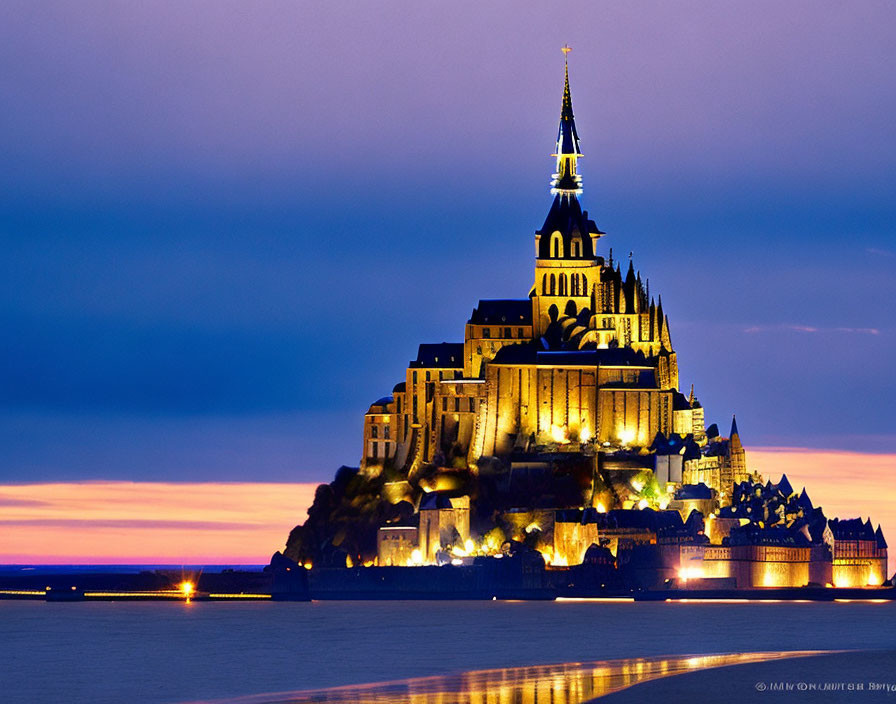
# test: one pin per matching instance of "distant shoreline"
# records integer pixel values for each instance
(448, 583)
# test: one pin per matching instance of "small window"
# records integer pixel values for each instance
(427, 376)
(456, 404)
(373, 431)
(556, 245)
(486, 333)
(376, 450)
(415, 378)
(519, 333)
(386, 432)
(508, 332)
(444, 404)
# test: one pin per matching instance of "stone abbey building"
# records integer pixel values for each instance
(583, 364)
(558, 425)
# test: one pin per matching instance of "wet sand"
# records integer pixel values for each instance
(565, 683)
(820, 679)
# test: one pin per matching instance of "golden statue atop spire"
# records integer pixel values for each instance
(566, 48)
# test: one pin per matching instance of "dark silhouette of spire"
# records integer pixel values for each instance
(567, 137)
(567, 183)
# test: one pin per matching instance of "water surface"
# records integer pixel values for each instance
(173, 652)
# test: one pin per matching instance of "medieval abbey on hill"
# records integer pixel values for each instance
(558, 423)
(584, 364)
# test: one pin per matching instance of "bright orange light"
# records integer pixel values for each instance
(186, 588)
(686, 573)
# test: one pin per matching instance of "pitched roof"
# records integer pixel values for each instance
(566, 216)
(497, 312)
(443, 355)
(734, 427)
(693, 492)
(784, 486)
(851, 529)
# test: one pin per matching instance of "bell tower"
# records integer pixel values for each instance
(566, 266)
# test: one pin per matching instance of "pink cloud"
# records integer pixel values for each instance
(795, 327)
(148, 522)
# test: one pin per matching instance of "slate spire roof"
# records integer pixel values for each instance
(567, 182)
(567, 137)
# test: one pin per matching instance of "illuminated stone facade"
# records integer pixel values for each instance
(396, 546)
(859, 553)
(444, 523)
(586, 359)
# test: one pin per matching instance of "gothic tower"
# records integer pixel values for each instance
(566, 265)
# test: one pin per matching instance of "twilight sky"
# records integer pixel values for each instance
(226, 226)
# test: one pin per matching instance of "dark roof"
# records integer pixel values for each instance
(642, 519)
(881, 541)
(693, 492)
(567, 137)
(566, 217)
(734, 427)
(498, 312)
(804, 501)
(752, 534)
(851, 529)
(444, 355)
(384, 401)
(716, 448)
(784, 485)
(680, 402)
(434, 501)
(399, 388)
(569, 515)
(676, 445)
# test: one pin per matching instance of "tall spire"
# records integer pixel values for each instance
(566, 181)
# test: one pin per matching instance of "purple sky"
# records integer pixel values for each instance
(226, 226)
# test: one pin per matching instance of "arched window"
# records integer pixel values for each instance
(556, 245)
(562, 284)
(575, 285)
(544, 285)
(584, 285)
(553, 285)
(577, 247)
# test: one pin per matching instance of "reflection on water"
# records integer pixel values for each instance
(569, 683)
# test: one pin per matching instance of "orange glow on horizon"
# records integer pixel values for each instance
(106, 522)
